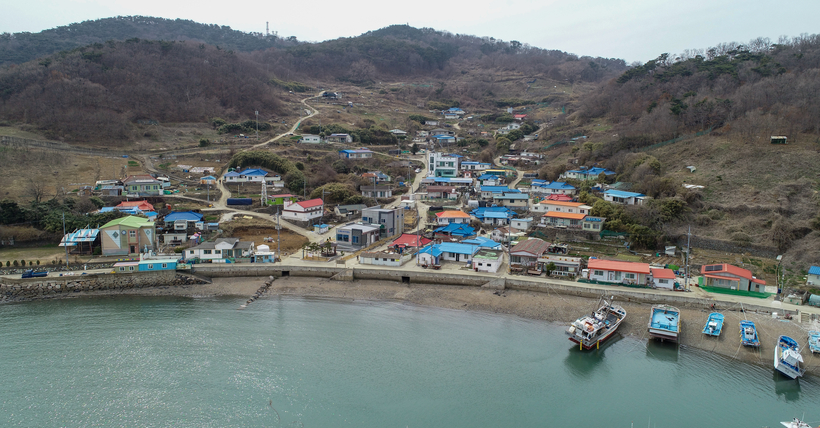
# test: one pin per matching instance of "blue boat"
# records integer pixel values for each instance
(664, 324)
(714, 324)
(748, 334)
(787, 357)
(814, 341)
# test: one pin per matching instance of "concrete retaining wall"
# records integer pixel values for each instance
(16, 289)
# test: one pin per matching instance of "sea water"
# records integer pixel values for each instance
(181, 362)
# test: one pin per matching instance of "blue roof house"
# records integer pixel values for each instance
(624, 198)
(585, 173)
(556, 188)
(455, 230)
(449, 251)
(814, 276)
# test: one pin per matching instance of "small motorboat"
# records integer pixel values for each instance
(748, 334)
(814, 341)
(796, 423)
(714, 324)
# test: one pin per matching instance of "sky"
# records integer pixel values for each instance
(633, 30)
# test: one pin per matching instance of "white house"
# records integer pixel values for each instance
(303, 211)
(564, 265)
(611, 271)
(814, 276)
(559, 206)
(384, 258)
(624, 198)
(487, 260)
(220, 250)
(312, 139)
(663, 278)
(521, 223)
(510, 127)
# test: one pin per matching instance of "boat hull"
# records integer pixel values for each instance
(597, 342)
(664, 323)
(787, 346)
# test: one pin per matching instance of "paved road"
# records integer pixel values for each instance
(313, 112)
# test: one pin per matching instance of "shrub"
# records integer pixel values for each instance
(204, 142)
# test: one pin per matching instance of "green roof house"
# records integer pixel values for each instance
(127, 236)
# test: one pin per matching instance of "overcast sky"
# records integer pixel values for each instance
(634, 30)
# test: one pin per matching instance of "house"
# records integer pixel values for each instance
(446, 251)
(618, 272)
(310, 139)
(357, 236)
(521, 223)
(140, 205)
(487, 260)
(142, 185)
(490, 180)
(376, 191)
(559, 206)
(407, 240)
(624, 198)
(383, 258)
(509, 128)
(254, 175)
(488, 192)
(181, 222)
(441, 192)
(593, 224)
(349, 210)
(498, 172)
(564, 265)
(663, 278)
(448, 217)
(174, 238)
(81, 241)
(399, 133)
(442, 165)
(731, 277)
(483, 242)
(454, 231)
(127, 236)
(506, 234)
(377, 176)
(493, 215)
(475, 166)
(813, 277)
(442, 131)
(157, 264)
(220, 250)
(520, 201)
(431, 122)
(208, 180)
(519, 117)
(563, 220)
(526, 253)
(556, 187)
(321, 228)
(231, 177)
(303, 211)
(585, 173)
(111, 190)
(390, 220)
(355, 154)
(559, 197)
(339, 138)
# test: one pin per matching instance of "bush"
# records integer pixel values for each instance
(16, 263)
(204, 142)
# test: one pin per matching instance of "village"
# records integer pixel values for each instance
(457, 215)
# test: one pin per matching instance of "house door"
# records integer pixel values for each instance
(612, 276)
(457, 256)
(133, 249)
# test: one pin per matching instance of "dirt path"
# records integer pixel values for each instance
(313, 112)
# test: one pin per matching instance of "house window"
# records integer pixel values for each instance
(663, 281)
(131, 268)
(629, 275)
(206, 251)
(355, 239)
(217, 251)
(132, 233)
(191, 252)
(164, 265)
(598, 273)
(150, 266)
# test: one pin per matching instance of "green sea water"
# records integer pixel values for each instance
(174, 362)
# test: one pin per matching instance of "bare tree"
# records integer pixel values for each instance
(36, 189)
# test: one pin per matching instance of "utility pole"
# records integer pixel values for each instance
(322, 219)
(278, 239)
(686, 272)
(257, 125)
(66, 242)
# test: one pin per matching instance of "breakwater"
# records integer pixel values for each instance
(54, 286)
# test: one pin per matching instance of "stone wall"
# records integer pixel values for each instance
(729, 247)
(31, 288)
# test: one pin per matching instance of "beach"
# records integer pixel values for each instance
(550, 307)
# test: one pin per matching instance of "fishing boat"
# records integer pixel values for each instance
(796, 423)
(814, 341)
(590, 330)
(714, 324)
(664, 324)
(787, 357)
(748, 334)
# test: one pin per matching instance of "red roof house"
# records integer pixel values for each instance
(407, 240)
(616, 271)
(732, 277)
(141, 205)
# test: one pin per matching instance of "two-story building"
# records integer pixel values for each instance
(390, 220)
(448, 217)
(559, 206)
(356, 236)
(443, 165)
(127, 236)
(303, 211)
(513, 200)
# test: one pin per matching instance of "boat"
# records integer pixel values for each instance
(590, 330)
(787, 357)
(714, 324)
(796, 423)
(664, 323)
(748, 334)
(814, 341)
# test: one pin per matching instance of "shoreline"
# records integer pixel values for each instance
(551, 307)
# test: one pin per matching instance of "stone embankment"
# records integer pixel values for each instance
(259, 292)
(12, 289)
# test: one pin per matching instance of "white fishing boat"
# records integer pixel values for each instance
(796, 423)
(590, 330)
(787, 357)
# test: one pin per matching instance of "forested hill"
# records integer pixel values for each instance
(18, 48)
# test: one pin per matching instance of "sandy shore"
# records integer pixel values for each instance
(560, 309)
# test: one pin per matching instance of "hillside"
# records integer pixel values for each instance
(18, 48)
